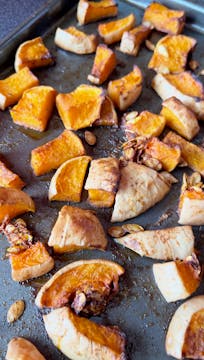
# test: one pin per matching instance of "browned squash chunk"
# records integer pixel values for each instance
(52, 154)
(81, 107)
(108, 115)
(67, 183)
(180, 118)
(77, 229)
(102, 181)
(104, 63)
(12, 87)
(22, 349)
(91, 11)
(125, 91)
(34, 108)
(132, 40)
(32, 53)
(171, 53)
(14, 202)
(78, 42)
(193, 347)
(9, 179)
(31, 263)
(191, 153)
(164, 19)
(97, 280)
(112, 31)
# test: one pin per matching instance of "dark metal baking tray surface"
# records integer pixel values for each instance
(139, 309)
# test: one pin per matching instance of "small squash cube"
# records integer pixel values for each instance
(131, 40)
(12, 87)
(78, 42)
(164, 19)
(67, 183)
(52, 154)
(180, 118)
(32, 53)
(104, 63)
(9, 179)
(91, 11)
(112, 31)
(125, 91)
(168, 155)
(171, 53)
(108, 115)
(34, 108)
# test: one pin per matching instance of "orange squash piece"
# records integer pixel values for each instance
(108, 115)
(91, 11)
(12, 87)
(32, 53)
(125, 91)
(104, 63)
(31, 263)
(164, 19)
(171, 53)
(34, 108)
(112, 31)
(67, 183)
(168, 155)
(81, 107)
(191, 153)
(9, 179)
(52, 154)
(14, 202)
(132, 40)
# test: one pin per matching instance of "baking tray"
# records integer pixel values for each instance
(138, 309)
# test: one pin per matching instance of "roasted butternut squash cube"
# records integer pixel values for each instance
(32, 53)
(91, 11)
(191, 153)
(52, 154)
(132, 40)
(12, 87)
(14, 202)
(34, 108)
(9, 179)
(112, 31)
(104, 63)
(125, 91)
(168, 155)
(164, 19)
(67, 183)
(78, 42)
(31, 263)
(108, 115)
(185, 87)
(171, 53)
(145, 124)
(81, 107)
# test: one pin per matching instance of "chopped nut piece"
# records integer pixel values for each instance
(116, 231)
(149, 45)
(90, 138)
(193, 64)
(132, 228)
(15, 311)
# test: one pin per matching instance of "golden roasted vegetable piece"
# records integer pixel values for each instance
(12, 87)
(81, 107)
(125, 91)
(52, 154)
(77, 229)
(112, 31)
(33, 262)
(164, 19)
(185, 87)
(108, 115)
(191, 153)
(67, 182)
(32, 53)
(34, 108)
(91, 11)
(131, 40)
(180, 118)
(9, 179)
(96, 280)
(78, 42)
(145, 124)
(22, 349)
(171, 53)
(168, 155)
(102, 181)
(74, 335)
(14, 202)
(104, 63)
